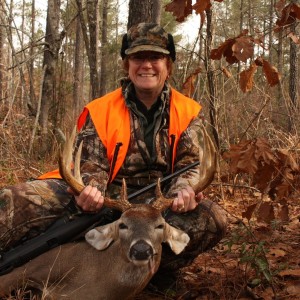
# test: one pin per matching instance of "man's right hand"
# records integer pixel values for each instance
(90, 199)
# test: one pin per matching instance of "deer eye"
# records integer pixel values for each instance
(122, 226)
(160, 226)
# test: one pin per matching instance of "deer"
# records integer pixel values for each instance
(115, 261)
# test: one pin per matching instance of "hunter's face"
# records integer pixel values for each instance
(148, 71)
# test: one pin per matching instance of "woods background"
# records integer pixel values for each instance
(242, 67)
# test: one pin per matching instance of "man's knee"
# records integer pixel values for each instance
(206, 226)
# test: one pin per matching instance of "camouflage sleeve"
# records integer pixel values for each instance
(94, 165)
(194, 145)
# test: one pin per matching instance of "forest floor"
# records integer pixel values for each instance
(256, 260)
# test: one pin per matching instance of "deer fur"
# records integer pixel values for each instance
(105, 265)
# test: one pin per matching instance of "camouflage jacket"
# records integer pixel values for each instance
(148, 155)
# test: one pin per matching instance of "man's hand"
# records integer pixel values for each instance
(186, 200)
(90, 199)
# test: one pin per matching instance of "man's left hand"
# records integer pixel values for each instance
(185, 201)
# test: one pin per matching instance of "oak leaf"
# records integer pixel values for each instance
(289, 14)
(271, 73)
(225, 49)
(273, 171)
(188, 86)
(263, 176)
(241, 158)
(243, 48)
(290, 272)
(249, 211)
(264, 151)
(235, 49)
(180, 9)
(283, 213)
(265, 213)
(201, 6)
(280, 5)
(246, 78)
(287, 171)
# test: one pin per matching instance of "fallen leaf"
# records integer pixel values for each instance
(277, 252)
(294, 289)
(290, 272)
(265, 213)
(248, 213)
(283, 213)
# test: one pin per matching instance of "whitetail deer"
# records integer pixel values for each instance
(131, 251)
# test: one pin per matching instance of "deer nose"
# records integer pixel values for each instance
(141, 251)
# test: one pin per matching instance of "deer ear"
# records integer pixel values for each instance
(101, 237)
(176, 238)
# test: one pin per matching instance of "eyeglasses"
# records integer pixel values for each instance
(154, 58)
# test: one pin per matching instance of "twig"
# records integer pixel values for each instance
(38, 111)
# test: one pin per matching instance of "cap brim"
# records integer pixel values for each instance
(146, 48)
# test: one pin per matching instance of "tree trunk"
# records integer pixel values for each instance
(104, 52)
(2, 92)
(31, 62)
(92, 17)
(148, 11)
(270, 29)
(78, 71)
(116, 56)
(293, 80)
(53, 42)
(91, 43)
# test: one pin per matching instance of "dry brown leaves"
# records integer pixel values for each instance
(221, 273)
(183, 8)
(188, 87)
(272, 171)
(289, 14)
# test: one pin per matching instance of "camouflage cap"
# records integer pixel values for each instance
(148, 37)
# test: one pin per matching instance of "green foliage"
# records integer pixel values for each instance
(252, 254)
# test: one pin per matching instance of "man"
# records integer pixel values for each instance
(142, 131)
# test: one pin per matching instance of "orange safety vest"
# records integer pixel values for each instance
(110, 116)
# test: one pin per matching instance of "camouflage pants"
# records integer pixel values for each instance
(27, 209)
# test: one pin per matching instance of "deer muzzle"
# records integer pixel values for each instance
(141, 252)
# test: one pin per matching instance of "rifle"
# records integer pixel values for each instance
(63, 231)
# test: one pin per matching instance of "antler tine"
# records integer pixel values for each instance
(208, 162)
(122, 204)
(75, 181)
(77, 174)
(65, 160)
(161, 203)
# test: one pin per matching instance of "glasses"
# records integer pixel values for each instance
(152, 58)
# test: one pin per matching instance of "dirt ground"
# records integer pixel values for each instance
(256, 260)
